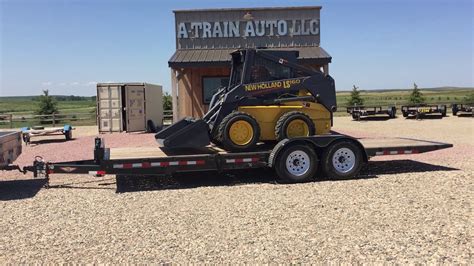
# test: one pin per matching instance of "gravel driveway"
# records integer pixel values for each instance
(403, 209)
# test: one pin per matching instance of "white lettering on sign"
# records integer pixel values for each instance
(259, 28)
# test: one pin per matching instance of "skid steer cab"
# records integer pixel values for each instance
(270, 97)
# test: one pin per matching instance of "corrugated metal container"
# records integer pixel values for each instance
(10, 147)
(128, 106)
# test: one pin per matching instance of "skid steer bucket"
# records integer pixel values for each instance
(186, 133)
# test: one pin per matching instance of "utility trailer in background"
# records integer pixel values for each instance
(463, 109)
(27, 133)
(360, 112)
(294, 160)
(10, 147)
(423, 109)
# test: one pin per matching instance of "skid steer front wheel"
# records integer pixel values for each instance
(294, 124)
(239, 131)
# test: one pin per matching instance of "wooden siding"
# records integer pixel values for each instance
(190, 98)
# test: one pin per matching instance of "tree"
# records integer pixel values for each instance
(47, 104)
(355, 97)
(167, 102)
(416, 97)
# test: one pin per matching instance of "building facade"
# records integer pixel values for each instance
(205, 39)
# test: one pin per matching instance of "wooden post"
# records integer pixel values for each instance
(174, 95)
(54, 119)
(11, 120)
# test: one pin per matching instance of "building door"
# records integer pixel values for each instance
(135, 108)
(109, 103)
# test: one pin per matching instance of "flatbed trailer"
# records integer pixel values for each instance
(422, 110)
(294, 160)
(463, 109)
(360, 112)
(28, 133)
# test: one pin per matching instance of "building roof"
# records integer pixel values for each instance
(247, 9)
(221, 57)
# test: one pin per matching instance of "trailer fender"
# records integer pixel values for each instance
(319, 143)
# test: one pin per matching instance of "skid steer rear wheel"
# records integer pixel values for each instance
(239, 131)
(294, 124)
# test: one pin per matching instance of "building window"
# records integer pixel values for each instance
(210, 85)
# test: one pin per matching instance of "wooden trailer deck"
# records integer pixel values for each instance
(373, 147)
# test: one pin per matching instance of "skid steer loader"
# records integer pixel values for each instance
(269, 97)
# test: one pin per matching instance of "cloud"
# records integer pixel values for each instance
(62, 84)
(75, 83)
(46, 83)
(91, 83)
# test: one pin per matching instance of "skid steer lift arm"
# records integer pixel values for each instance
(251, 84)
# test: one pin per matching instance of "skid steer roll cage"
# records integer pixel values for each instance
(227, 99)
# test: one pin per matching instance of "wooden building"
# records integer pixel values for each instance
(205, 39)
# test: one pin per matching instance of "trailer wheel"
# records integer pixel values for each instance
(342, 160)
(392, 112)
(239, 131)
(296, 163)
(405, 114)
(294, 124)
(68, 134)
(442, 109)
(356, 116)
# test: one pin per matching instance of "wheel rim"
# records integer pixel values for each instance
(298, 163)
(343, 160)
(241, 132)
(297, 128)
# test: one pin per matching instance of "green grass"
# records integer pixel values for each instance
(27, 105)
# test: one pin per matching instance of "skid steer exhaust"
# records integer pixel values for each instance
(186, 133)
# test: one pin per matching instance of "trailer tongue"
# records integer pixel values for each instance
(294, 160)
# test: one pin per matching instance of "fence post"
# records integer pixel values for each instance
(54, 119)
(11, 120)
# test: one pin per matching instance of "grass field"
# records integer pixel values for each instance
(24, 106)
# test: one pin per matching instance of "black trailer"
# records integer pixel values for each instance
(360, 112)
(463, 109)
(421, 110)
(294, 160)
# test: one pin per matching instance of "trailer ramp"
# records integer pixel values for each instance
(398, 146)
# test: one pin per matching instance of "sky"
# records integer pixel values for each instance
(68, 46)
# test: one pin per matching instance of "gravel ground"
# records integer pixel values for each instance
(403, 209)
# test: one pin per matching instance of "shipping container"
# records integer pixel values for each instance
(128, 106)
(10, 147)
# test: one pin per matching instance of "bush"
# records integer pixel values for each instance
(416, 97)
(355, 98)
(47, 106)
(167, 102)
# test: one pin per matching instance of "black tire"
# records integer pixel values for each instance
(393, 112)
(455, 109)
(339, 152)
(301, 155)
(442, 110)
(68, 134)
(224, 127)
(356, 116)
(405, 114)
(284, 120)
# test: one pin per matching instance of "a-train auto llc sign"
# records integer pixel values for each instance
(250, 28)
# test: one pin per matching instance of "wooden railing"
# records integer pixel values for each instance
(13, 120)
